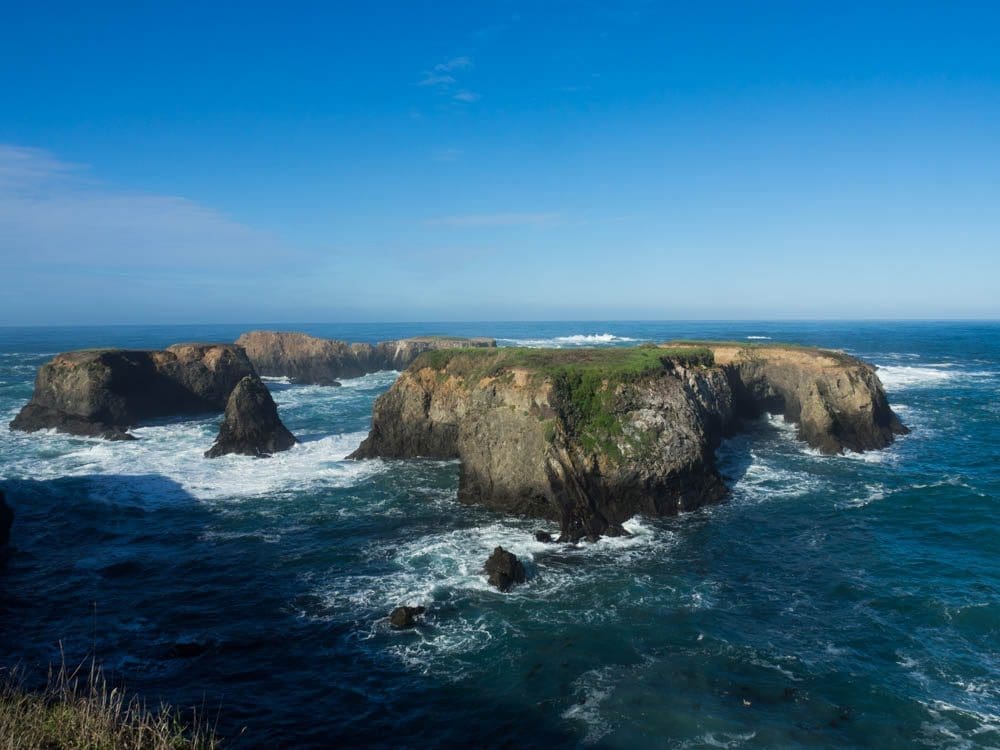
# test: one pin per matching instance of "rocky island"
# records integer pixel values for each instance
(591, 437)
(317, 361)
(104, 392)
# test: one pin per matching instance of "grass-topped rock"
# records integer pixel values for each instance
(591, 437)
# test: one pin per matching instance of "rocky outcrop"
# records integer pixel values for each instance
(402, 618)
(308, 359)
(591, 437)
(6, 520)
(251, 426)
(104, 392)
(836, 400)
(503, 570)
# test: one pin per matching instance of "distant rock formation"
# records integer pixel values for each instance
(104, 392)
(6, 520)
(504, 570)
(591, 437)
(317, 361)
(251, 426)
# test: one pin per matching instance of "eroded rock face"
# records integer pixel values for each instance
(251, 426)
(837, 401)
(504, 570)
(104, 392)
(592, 447)
(6, 520)
(318, 361)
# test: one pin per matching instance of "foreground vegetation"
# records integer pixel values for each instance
(79, 710)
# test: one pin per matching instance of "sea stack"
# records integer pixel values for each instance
(104, 392)
(592, 437)
(251, 426)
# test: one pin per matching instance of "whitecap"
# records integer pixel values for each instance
(759, 338)
(580, 339)
(593, 688)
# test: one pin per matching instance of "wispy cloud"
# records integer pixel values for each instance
(53, 214)
(442, 78)
(471, 221)
(456, 63)
(435, 79)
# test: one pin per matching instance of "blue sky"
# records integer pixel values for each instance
(278, 162)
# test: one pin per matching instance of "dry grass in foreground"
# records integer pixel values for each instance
(78, 710)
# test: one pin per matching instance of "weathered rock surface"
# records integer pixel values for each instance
(6, 520)
(402, 618)
(104, 392)
(308, 359)
(504, 570)
(592, 437)
(251, 426)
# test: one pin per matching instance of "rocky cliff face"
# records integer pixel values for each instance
(251, 426)
(592, 437)
(837, 401)
(104, 392)
(308, 359)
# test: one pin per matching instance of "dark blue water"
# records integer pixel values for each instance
(831, 602)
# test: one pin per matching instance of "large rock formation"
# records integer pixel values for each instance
(104, 392)
(251, 426)
(308, 359)
(591, 437)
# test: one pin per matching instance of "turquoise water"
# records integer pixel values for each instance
(830, 602)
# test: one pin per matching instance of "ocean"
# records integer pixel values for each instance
(830, 601)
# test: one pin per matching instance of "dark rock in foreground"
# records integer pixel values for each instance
(503, 569)
(592, 437)
(317, 361)
(251, 426)
(402, 618)
(6, 520)
(104, 392)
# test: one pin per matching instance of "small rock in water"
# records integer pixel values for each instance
(405, 617)
(543, 536)
(504, 569)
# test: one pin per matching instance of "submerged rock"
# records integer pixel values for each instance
(592, 437)
(104, 392)
(317, 361)
(251, 426)
(544, 537)
(402, 618)
(503, 569)
(6, 520)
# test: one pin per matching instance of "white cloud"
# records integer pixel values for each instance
(435, 79)
(54, 215)
(441, 78)
(496, 220)
(456, 63)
